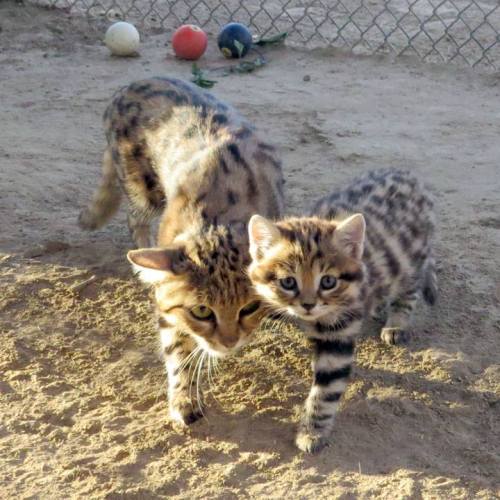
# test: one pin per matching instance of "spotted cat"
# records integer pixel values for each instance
(366, 248)
(179, 152)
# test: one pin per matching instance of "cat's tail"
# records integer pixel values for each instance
(106, 199)
(430, 286)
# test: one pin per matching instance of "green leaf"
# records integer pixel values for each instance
(240, 48)
(272, 40)
(199, 78)
(245, 66)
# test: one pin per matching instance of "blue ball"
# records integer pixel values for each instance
(231, 33)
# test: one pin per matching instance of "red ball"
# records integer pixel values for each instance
(189, 42)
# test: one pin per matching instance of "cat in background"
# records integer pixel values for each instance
(179, 152)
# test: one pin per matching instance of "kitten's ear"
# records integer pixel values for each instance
(262, 234)
(155, 264)
(349, 235)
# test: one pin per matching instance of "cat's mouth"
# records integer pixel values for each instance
(311, 315)
(219, 350)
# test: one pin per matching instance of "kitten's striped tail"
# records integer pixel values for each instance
(429, 287)
(106, 199)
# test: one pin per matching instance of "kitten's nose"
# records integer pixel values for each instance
(307, 306)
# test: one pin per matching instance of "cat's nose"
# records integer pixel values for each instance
(229, 342)
(307, 306)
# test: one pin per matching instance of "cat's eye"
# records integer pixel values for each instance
(328, 282)
(288, 283)
(202, 313)
(250, 308)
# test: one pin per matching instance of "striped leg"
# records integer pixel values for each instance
(177, 347)
(332, 366)
(399, 318)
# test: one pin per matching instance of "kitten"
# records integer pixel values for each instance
(177, 151)
(333, 269)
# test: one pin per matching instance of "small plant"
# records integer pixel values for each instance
(200, 79)
(272, 40)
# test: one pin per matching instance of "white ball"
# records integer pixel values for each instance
(122, 39)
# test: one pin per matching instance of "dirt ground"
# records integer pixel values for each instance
(82, 389)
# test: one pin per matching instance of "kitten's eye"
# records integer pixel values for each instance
(328, 282)
(288, 283)
(250, 308)
(203, 313)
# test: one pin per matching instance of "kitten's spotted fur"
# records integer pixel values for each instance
(177, 151)
(330, 273)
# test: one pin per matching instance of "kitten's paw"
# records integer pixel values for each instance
(393, 335)
(310, 443)
(185, 414)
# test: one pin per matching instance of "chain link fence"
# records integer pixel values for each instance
(464, 31)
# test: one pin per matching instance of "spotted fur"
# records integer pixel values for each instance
(179, 152)
(367, 250)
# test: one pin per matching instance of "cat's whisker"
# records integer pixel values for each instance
(217, 367)
(209, 372)
(192, 373)
(200, 368)
(275, 324)
(189, 364)
(210, 368)
(188, 358)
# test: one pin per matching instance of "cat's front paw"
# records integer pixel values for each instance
(185, 414)
(393, 335)
(309, 442)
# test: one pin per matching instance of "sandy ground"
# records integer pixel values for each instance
(82, 389)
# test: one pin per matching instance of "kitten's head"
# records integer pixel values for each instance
(202, 289)
(307, 267)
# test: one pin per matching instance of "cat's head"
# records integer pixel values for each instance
(202, 289)
(307, 267)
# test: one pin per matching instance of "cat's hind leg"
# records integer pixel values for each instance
(146, 200)
(106, 199)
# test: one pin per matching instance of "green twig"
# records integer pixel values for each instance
(244, 66)
(199, 78)
(272, 40)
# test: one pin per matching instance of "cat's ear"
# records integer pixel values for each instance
(349, 235)
(156, 264)
(262, 234)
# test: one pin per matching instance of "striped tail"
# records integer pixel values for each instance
(106, 199)
(429, 288)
